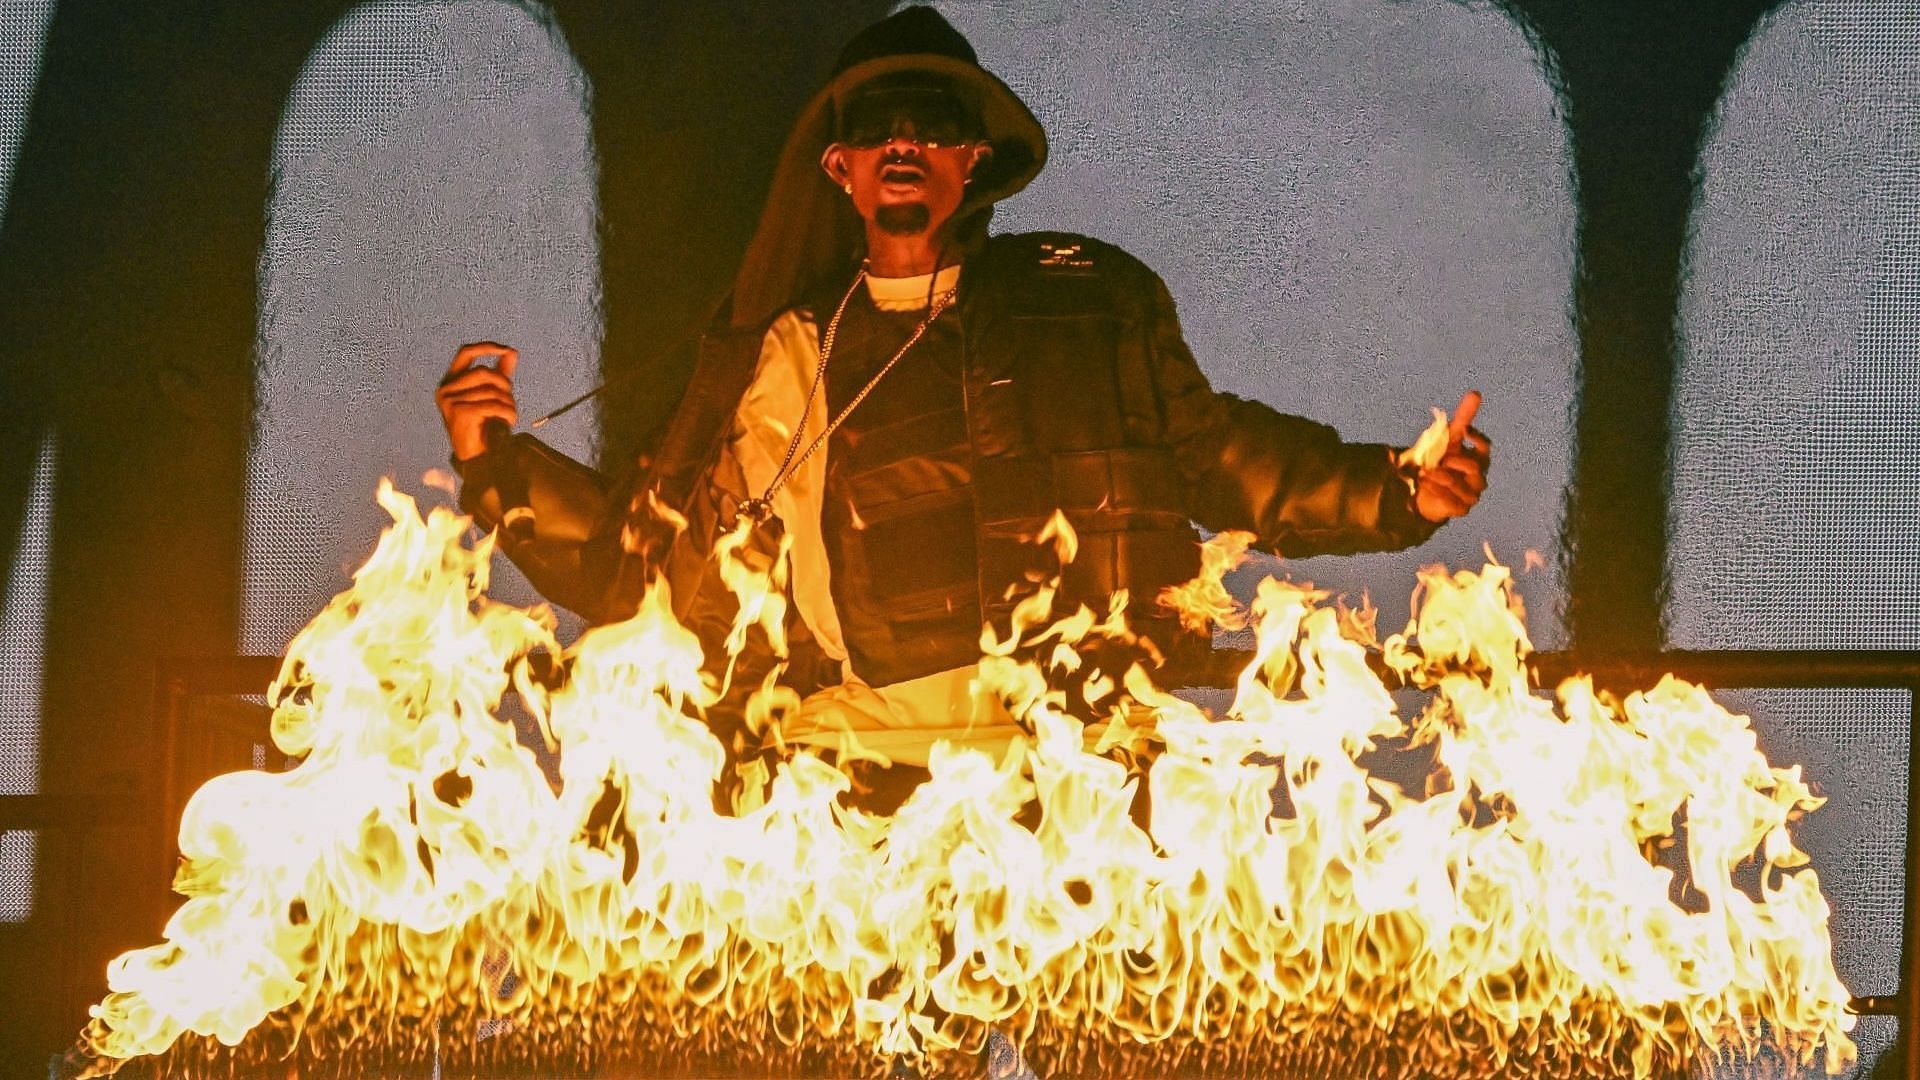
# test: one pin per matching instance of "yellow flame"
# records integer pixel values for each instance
(1430, 447)
(416, 874)
(1204, 602)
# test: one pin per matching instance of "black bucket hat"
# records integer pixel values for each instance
(808, 231)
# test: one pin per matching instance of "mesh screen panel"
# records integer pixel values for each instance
(1361, 209)
(360, 76)
(23, 29)
(1857, 839)
(16, 875)
(435, 185)
(23, 612)
(22, 629)
(1797, 455)
(1797, 458)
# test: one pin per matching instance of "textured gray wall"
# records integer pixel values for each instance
(1362, 209)
(23, 600)
(1796, 499)
(434, 185)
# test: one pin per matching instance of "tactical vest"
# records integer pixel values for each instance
(1031, 394)
(898, 510)
(1069, 397)
(1064, 414)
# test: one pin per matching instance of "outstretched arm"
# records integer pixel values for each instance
(1292, 482)
(568, 545)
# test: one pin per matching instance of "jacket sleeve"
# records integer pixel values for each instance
(1288, 480)
(571, 548)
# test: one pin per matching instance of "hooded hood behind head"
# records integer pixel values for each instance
(809, 232)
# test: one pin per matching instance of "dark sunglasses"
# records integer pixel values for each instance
(932, 118)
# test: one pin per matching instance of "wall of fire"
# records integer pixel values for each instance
(231, 288)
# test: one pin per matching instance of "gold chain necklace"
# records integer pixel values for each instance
(761, 508)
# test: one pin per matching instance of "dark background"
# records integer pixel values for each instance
(131, 267)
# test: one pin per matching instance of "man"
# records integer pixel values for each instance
(910, 400)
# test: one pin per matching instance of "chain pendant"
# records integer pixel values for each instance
(760, 510)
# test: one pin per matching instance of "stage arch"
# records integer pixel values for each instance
(434, 184)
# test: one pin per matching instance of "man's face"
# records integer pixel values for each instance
(907, 156)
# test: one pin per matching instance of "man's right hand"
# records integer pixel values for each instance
(469, 396)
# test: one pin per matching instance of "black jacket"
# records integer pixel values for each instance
(1080, 395)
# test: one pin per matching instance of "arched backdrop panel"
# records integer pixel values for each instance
(1796, 475)
(434, 185)
(1362, 210)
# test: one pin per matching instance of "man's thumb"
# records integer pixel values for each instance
(1463, 416)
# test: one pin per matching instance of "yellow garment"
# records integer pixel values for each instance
(899, 722)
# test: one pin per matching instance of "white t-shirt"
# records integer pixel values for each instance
(903, 720)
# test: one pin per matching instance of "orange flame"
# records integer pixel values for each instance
(1430, 447)
(1204, 602)
(364, 906)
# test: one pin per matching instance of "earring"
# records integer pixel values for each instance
(848, 188)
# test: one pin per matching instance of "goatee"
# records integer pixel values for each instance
(902, 219)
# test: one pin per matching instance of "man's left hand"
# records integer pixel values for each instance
(1451, 488)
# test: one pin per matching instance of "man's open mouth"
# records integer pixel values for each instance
(902, 174)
